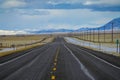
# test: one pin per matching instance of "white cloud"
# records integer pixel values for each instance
(13, 4)
(58, 18)
(45, 3)
(55, 2)
(61, 26)
(101, 21)
(100, 2)
(86, 2)
(32, 12)
(9, 32)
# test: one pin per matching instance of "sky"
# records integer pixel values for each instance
(19, 16)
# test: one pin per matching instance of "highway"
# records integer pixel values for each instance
(60, 60)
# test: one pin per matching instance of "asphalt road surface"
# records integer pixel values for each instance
(59, 61)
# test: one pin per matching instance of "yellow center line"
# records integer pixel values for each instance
(55, 63)
(53, 77)
(57, 54)
(55, 60)
(54, 69)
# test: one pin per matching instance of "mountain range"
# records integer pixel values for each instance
(115, 23)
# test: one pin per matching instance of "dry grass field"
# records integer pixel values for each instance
(103, 41)
(22, 42)
(17, 41)
(107, 38)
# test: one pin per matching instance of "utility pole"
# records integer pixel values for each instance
(93, 35)
(99, 39)
(83, 35)
(104, 33)
(112, 33)
(98, 35)
(0, 44)
(90, 34)
(87, 34)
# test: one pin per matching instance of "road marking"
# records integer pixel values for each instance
(55, 60)
(54, 69)
(16, 58)
(53, 77)
(81, 65)
(100, 59)
(55, 63)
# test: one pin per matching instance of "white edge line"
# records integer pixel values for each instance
(1, 64)
(26, 53)
(100, 59)
(81, 65)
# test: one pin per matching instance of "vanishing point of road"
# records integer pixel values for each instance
(59, 60)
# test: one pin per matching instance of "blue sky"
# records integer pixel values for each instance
(24, 15)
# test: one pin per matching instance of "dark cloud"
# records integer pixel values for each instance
(101, 5)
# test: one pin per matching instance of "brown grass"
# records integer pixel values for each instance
(103, 39)
(18, 50)
(8, 41)
(18, 40)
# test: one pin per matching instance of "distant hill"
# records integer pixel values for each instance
(108, 26)
(52, 31)
(115, 22)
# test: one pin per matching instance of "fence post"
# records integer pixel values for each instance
(104, 33)
(93, 35)
(98, 36)
(118, 46)
(87, 34)
(83, 35)
(0, 44)
(112, 33)
(90, 34)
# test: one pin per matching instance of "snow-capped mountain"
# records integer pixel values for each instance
(115, 23)
(52, 31)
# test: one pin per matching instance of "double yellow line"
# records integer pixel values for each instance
(53, 77)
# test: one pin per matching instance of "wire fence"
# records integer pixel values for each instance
(105, 34)
(19, 41)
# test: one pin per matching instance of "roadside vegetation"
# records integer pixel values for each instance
(102, 38)
(22, 42)
(107, 42)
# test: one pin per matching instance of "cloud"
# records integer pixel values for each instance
(102, 2)
(55, 2)
(57, 18)
(32, 12)
(13, 4)
(61, 26)
(11, 32)
(111, 5)
(85, 2)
